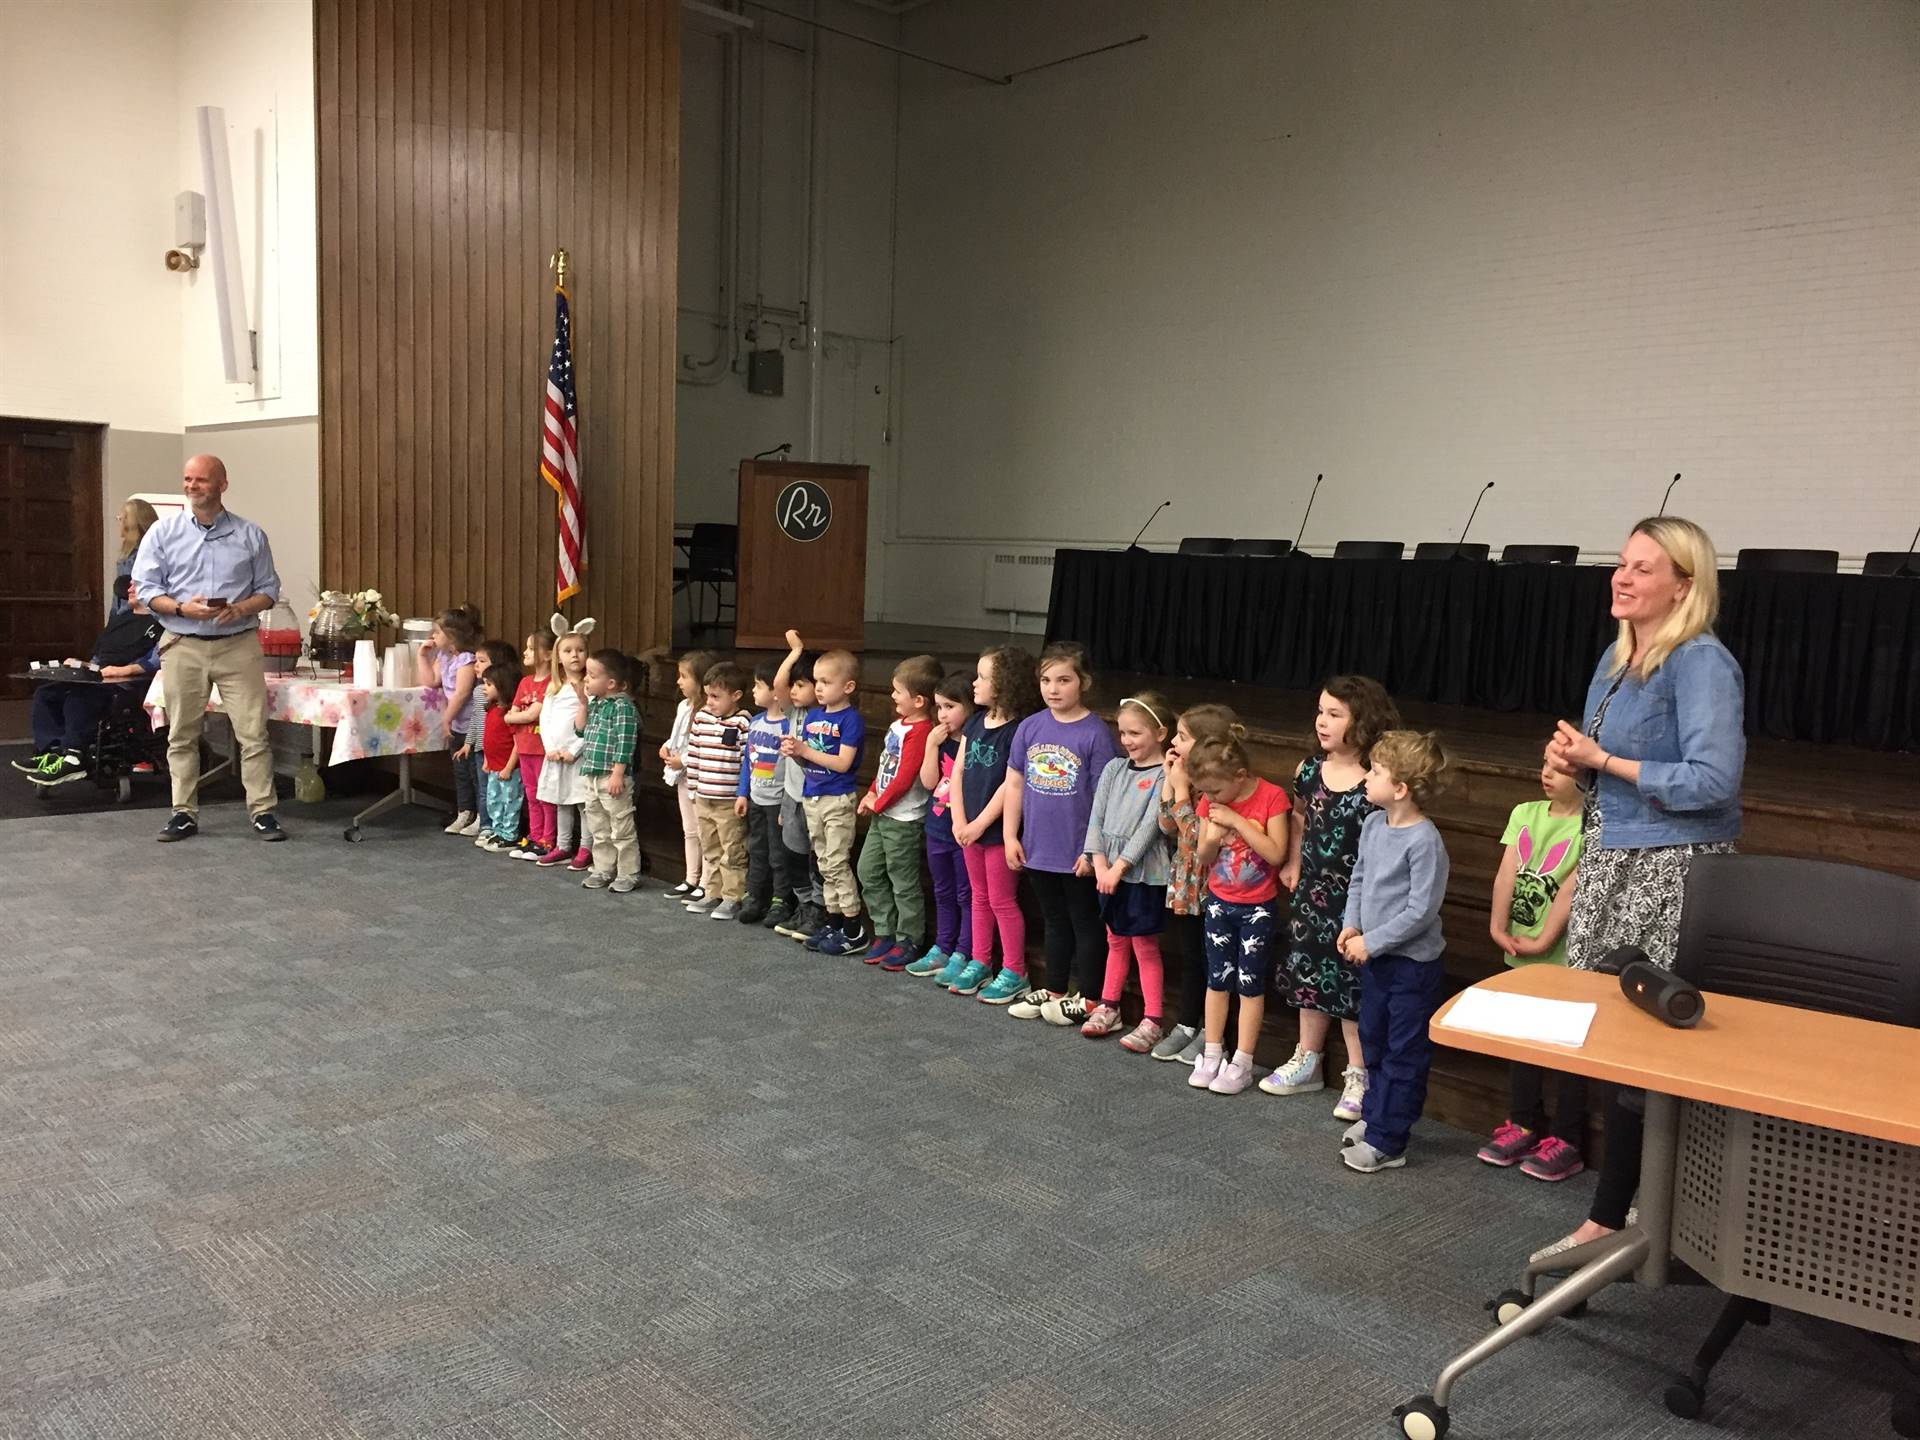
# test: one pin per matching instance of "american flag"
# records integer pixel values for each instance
(560, 455)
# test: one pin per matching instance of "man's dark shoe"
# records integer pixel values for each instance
(267, 827)
(34, 763)
(180, 827)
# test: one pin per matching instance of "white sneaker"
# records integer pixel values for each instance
(1067, 1010)
(472, 827)
(1028, 1006)
(1300, 1074)
(483, 839)
(725, 910)
(460, 823)
(1353, 1093)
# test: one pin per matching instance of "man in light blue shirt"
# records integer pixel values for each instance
(207, 575)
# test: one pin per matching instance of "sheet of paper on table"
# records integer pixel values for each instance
(1522, 1017)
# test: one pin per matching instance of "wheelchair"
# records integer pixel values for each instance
(124, 738)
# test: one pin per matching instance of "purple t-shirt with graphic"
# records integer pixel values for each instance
(1061, 765)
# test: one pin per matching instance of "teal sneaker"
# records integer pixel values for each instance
(1006, 988)
(950, 972)
(969, 980)
(931, 963)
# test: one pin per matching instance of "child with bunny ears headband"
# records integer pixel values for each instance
(563, 723)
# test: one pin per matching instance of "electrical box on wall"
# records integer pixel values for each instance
(766, 372)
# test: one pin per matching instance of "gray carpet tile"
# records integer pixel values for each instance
(399, 1139)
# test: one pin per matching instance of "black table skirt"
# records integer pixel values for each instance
(1833, 659)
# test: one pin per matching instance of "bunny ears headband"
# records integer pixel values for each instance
(561, 629)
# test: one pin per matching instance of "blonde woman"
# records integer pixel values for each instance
(1660, 758)
(136, 518)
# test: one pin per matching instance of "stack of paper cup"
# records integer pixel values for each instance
(366, 666)
(396, 669)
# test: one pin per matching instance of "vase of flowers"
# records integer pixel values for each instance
(341, 618)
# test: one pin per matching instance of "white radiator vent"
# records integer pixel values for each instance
(1018, 581)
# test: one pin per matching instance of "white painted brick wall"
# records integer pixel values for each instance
(1569, 248)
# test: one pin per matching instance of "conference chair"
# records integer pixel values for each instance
(1892, 562)
(713, 553)
(1809, 562)
(1369, 550)
(1265, 549)
(1205, 545)
(1540, 555)
(1821, 936)
(1450, 550)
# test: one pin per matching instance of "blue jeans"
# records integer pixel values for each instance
(503, 804)
(1397, 999)
(469, 792)
(1240, 945)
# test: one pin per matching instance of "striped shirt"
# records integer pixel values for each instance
(714, 747)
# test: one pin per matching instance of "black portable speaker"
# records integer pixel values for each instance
(1662, 994)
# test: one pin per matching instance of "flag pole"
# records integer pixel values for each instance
(558, 262)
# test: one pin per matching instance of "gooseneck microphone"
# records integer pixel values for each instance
(1309, 510)
(1669, 495)
(1660, 993)
(1473, 512)
(1136, 548)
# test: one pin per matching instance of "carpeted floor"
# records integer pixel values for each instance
(318, 1140)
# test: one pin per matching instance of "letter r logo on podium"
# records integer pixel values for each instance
(803, 511)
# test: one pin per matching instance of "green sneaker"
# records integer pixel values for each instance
(969, 981)
(1006, 988)
(931, 963)
(950, 972)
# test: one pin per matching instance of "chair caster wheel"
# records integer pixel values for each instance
(124, 789)
(351, 835)
(1508, 1306)
(1684, 1398)
(1906, 1415)
(1421, 1419)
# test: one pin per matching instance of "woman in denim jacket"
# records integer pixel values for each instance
(1660, 756)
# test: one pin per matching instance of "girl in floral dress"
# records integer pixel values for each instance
(1330, 793)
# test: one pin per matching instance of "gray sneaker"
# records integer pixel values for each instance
(624, 885)
(1173, 1044)
(725, 910)
(1194, 1049)
(1354, 1133)
(702, 905)
(596, 881)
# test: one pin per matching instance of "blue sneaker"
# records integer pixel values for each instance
(895, 960)
(1006, 988)
(950, 972)
(817, 941)
(841, 943)
(971, 979)
(879, 950)
(930, 963)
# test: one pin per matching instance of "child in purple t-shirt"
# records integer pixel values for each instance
(1052, 770)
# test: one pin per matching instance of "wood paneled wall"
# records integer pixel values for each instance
(460, 143)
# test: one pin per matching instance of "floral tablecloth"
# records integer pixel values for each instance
(403, 721)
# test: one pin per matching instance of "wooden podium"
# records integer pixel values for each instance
(803, 555)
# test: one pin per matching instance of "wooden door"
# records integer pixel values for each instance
(51, 601)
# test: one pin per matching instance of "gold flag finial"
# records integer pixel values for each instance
(557, 262)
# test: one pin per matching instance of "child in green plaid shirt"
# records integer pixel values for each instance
(605, 754)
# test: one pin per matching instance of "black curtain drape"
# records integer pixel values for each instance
(1833, 659)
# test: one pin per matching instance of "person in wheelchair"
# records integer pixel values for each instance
(67, 713)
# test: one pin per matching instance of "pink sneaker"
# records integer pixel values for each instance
(1206, 1070)
(1104, 1020)
(1142, 1038)
(582, 859)
(1234, 1076)
(1554, 1159)
(1510, 1145)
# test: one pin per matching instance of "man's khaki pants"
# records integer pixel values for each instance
(190, 665)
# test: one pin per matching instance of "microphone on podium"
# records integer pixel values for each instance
(1135, 547)
(783, 449)
(1458, 553)
(1669, 495)
(1308, 511)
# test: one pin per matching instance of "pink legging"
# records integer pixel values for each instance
(539, 812)
(996, 899)
(1121, 951)
(689, 829)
